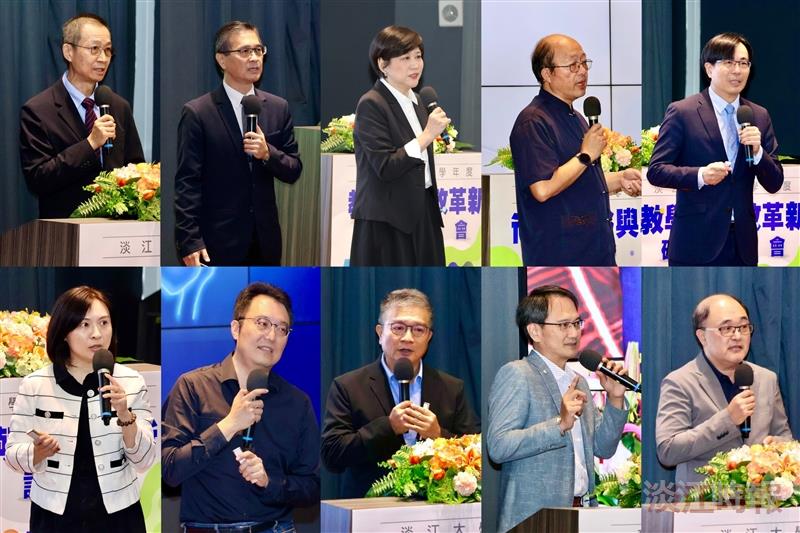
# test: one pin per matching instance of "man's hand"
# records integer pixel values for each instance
(614, 389)
(631, 182)
(245, 411)
(397, 419)
(43, 447)
(571, 405)
(751, 136)
(423, 421)
(252, 469)
(593, 141)
(104, 128)
(193, 259)
(742, 405)
(255, 144)
(716, 172)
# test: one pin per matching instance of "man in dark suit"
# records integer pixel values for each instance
(701, 153)
(60, 133)
(225, 210)
(365, 421)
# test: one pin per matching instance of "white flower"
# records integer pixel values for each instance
(2, 358)
(350, 119)
(605, 163)
(423, 448)
(624, 157)
(781, 488)
(740, 455)
(625, 471)
(465, 483)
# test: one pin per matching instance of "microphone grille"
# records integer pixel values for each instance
(257, 379)
(591, 107)
(251, 104)
(103, 359)
(590, 359)
(103, 95)
(403, 370)
(744, 115)
(743, 375)
(428, 96)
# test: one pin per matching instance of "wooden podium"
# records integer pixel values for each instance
(582, 520)
(384, 515)
(82, 242)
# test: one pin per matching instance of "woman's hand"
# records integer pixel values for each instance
(119, 401)
(437, 122)
(43, 447)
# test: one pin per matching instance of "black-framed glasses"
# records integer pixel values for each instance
(574, 67)
(730, 63)
(95, 50)
(264, 324)
(729, 331)
(565, 326)
(245, 52)
(399, 329)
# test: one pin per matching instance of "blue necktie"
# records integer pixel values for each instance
(731, 134)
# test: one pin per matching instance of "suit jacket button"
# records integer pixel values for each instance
(101, 467)
(97, 442)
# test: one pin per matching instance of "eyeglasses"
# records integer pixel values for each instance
(730, 63)
(574, 67)
(728, 331)
(564, 326)
(399, 329)
(264, 324)
(96, 49)
(245, 52)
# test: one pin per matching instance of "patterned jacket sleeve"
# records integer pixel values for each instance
(19, 447)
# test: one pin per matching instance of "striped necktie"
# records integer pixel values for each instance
(88, 105)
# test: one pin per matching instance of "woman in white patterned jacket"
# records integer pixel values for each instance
(84, 467)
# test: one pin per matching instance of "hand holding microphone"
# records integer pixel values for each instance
(749, 135)
(612, 376)
(743, 405)
(103, 365)
(254, 142)
(437, 119)
(104, 129)
(246, 410)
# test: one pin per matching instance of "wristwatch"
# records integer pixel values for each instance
(585, 158)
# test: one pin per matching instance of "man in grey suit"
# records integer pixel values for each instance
(544, 428)
(700, 409)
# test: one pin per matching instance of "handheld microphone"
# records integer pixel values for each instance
(252, 108)
(102, 97)
(257, 379)
(103, 364)
(591, 108)
(430, 101)
(404, 372)
(743, 379)
(591, 360)
(744, 116)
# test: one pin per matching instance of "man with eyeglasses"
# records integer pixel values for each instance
(562, 191)
(209, 410)
(366, 421)
(225, 209)
(701, 153)
(61, 130)
(700, 409)
(544, 428)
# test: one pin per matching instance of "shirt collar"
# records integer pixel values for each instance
(554, 368)
(73, 91)
(236, 96)
(555, 101)
(69, 384)
(390, 375)
(720, 104)
(401, 98)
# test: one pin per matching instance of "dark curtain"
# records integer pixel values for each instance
(353, 296)
(663, 57)
(668, 342)
(32, 57)
(186, 69)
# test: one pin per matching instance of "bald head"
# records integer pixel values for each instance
(715, 312)
(546, 50)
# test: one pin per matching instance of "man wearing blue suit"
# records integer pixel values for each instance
(701, 153)
(225, 210)
(544, 428)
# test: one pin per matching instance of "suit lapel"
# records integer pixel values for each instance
(713, 389)
(67, 112)
(705, 109)
(549, 379)
(380, 387)
(397, 111)
(228, 117)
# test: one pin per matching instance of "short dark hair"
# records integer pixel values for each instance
(541, 57)
(701, 312)
(224, 34)
(69, 310)
(723, 46)
(246, 296)
(71, 29)
(533, 308)
(393, 41)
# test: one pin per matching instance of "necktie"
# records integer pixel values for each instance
(88, 105)
(731, 134)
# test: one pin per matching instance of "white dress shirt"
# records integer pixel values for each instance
(236, 101)
(412, 148)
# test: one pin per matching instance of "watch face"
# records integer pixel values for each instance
(584, 158)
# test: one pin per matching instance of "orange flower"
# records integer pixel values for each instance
(148, 195)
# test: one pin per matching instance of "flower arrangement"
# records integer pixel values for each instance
(133, 192)
(620, 152)
(437, 470)
(340, 137)
(765, 475)
(503, 158)
(623, 486)
(649, 138)
(22, 342)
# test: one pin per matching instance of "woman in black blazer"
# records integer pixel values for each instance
(396, 208)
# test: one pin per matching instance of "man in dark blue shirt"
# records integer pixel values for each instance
(562, 192)
(209, 409)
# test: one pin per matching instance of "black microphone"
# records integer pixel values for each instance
(591, 361)
(430, 101)
(252, 108)
(744, 116)
(102, 97)
(404, 372)
(103, 364)
(258, 379)
(591, 108)
(743, 379)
